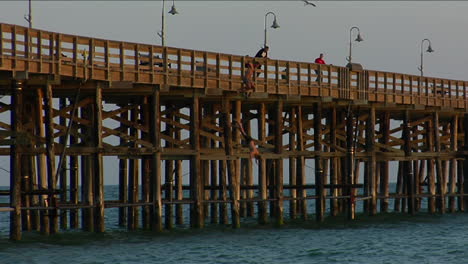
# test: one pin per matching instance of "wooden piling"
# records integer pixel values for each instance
(279, 164)
(441, 185)
(384, 165)
(51, 177)
(453, 163)
(133, 171)
(371, 163)
(292, 164)
(408, 165)
(334, 209)
(301, 172)
(123, 171)
(15, 162)
(155, 177)
(196, 183)
(262, 174)
(169, 171)
(319, 190)
(98, 165)
(63, 171)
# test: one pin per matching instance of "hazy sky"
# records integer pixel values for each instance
(393, 30)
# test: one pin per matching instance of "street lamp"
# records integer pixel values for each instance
(274, 25)
(28, 17)
(358, 39)
(173, 11)
(429, 50)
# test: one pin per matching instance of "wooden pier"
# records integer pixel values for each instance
(169, 115)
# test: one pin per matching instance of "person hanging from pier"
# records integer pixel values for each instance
(248, 84)
(262, 53)
(254, 153)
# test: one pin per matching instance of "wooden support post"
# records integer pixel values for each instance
(205, 164)
(64, 171)
(333, 162)
(236, 179)
(279, 164)
(398, 206)
(319, 189)
(371, 189)
(98, 165)
(214, 212)
(249, 176)
(123, 171)
(169, 172)
(270, 163)
(133, 169)
(301, 172)
(51, 177)
(155, 177)
(74, 220)
(223, 213)
(262, 174)
(464, 183)
(196, 183)
(453, 163)
(26, 167)
(350, 207)
(15, 161)
(178, 169)
(87, 176)
(430, 168)
(146, 170)
(41, 161)
(228, 142)
(408, 165)
(384, 167)
(292, 164)
(441, 185)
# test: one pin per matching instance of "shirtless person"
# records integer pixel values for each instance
(254, 153)
(248, 83)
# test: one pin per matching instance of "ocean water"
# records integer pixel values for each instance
(386, 238)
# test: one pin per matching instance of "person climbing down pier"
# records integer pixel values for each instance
(248, 85)
(254, 153)
(262, 53)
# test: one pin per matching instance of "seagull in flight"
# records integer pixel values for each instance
(308, 3)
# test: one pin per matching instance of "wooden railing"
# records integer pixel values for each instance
(39, 51)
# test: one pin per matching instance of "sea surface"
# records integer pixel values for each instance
(386, 238)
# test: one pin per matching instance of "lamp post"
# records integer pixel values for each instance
(429, 50)
(274, 25)
(28, 17)
(358, 39)
(173, 11)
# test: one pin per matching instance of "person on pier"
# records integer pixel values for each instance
(262, 53)
(254, 153)
(319, 60)
(248, 84)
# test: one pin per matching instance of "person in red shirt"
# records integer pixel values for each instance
(319, 60)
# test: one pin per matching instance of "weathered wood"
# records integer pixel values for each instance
(236, 177)
(371, 188)
(196, 183)
(262, 177)
(334, 209)
(214, 212)
(319, 191)
(430, 168)
(98, 164)
(15, 162)
(349, 165)
(178, 175)
(292, 163)
(301, 172)
(74, 172)
(441, 184)
(464, 184)
(63, 172)
(155, 176)
(384, 167)
(169, 172)
(145, 168)
(133, 171)
(123, 172)
(279, 164)
(87, 178)
(453, 163)
(408, 165)
(51, 177)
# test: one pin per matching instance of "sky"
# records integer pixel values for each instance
(392, 30)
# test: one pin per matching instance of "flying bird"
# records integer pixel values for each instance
(308, 3)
